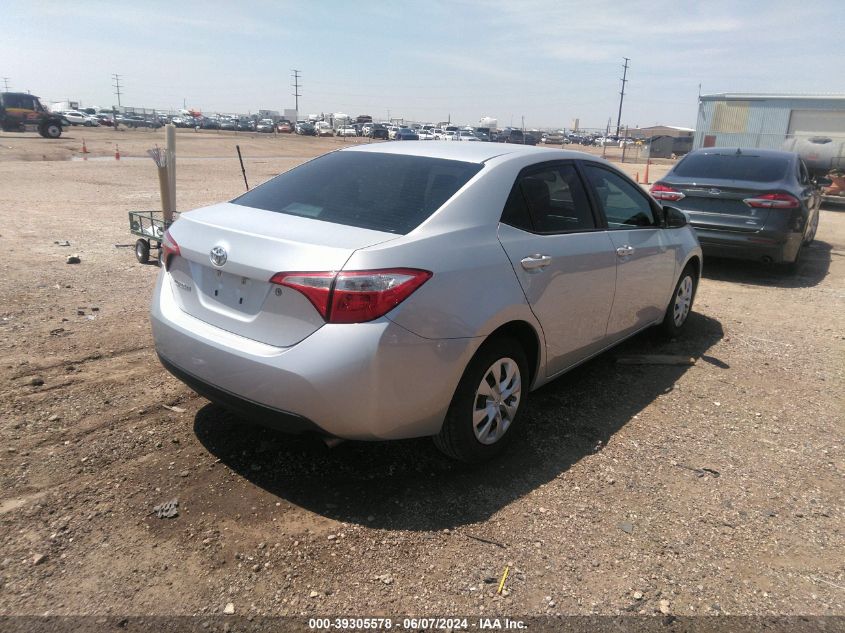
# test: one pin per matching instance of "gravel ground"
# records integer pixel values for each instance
(710, 489)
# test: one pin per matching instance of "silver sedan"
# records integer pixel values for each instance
(416, 289)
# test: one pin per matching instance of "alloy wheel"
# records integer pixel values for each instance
(496, 401)
(683, 301)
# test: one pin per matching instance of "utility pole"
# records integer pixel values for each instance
(6, 84)
(117, 87)
(296, 86)
(622, 94)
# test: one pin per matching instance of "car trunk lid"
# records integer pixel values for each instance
(236, 295)
(719, 206)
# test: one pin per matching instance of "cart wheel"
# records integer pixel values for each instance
(142, 251)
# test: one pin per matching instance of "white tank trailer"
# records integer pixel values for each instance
(489, 122)
(822, 154)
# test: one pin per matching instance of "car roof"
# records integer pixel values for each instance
(467, 152)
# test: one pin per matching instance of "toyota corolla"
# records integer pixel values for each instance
(416, 289)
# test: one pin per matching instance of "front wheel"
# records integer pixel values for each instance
(487, 403)
(51, 130)
(814, 227)
(681, 303)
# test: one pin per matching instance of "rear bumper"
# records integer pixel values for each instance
(252, 411)
(759, 246)
(366, 381)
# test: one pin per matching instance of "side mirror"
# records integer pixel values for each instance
(824, 181)
(675, 218)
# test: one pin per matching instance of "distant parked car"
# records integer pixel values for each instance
(75, 117)
(425, 135)
(745, 203)
(210, 124)
(247, 125)
(448, 135)
(324, 129)
(510, 135)
(136, 120)
(466, 135)
(305, 129)
(552, 138)
(406, 134)
(347, 130)
(267, 126)
(283, 127)
(379, 131)
(227, 124)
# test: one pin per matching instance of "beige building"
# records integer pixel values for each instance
(660, 130)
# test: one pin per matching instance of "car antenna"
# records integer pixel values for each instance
(243, 171)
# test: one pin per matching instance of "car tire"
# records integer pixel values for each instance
(51, 130)
(142, 251)
(814, 227)
(482, 416)
(680, 305)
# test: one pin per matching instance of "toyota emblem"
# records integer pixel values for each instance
(218, 256)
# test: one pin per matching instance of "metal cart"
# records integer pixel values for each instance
(150, 227)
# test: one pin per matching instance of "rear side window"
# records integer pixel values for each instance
(733, 167)
(382, 192)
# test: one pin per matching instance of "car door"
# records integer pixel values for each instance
(645, 257)
(563, 258)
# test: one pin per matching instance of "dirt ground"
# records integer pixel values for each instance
(710, 489)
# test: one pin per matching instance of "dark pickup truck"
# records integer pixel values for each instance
(21, 112)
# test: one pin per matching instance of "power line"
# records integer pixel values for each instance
(116, 86)
(296, 86)
(622, 94)
(6, 83)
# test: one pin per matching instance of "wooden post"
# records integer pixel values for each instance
(170, 152)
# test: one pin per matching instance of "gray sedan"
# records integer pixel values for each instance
(745, 203)
(416, 289)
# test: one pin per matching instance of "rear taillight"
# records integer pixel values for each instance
(355, 296)
(773, 201)
(169, 247)
(662, 191)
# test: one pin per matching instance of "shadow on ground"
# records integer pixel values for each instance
(409, 485)
(812, 269)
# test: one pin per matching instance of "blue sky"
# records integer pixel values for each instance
(547, 61)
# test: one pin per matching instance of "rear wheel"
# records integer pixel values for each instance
(681, 303)
(487, 403)
(142, 251)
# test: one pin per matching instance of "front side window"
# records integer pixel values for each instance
(625, 206)
(803, 174)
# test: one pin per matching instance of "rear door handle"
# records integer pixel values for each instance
(625, 251)
(536, 262)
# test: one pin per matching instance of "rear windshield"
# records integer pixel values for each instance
(732, 167)
(382, 192)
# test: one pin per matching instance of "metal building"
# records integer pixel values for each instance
(767, 120)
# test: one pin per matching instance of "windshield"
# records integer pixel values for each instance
(733, 167)
(382, 192)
